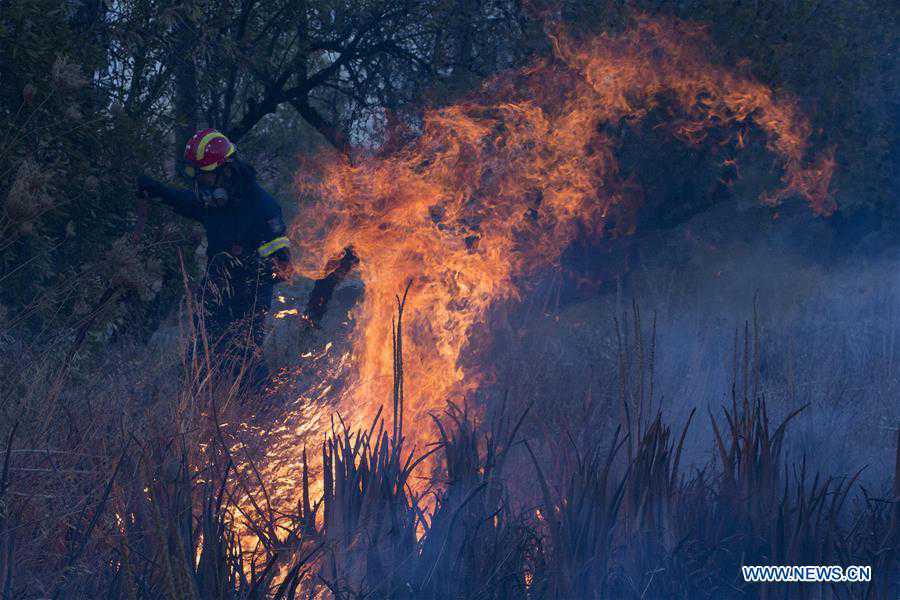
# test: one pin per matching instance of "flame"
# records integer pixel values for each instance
(485, 192)
(494, 188)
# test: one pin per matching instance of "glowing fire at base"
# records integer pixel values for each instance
(493, 188)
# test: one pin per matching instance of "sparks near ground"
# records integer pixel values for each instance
(492, 189)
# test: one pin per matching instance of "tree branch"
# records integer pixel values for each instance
(335, 136)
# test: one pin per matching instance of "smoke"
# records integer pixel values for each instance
(827, 320)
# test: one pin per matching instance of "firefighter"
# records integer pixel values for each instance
(247, 247)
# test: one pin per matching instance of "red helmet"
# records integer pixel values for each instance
(207, 150)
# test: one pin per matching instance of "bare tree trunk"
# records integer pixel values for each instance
(185, 72)
(88, 19)
(463, 31)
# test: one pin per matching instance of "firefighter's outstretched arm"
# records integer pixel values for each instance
(183, 202)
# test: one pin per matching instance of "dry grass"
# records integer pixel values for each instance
(131, 494)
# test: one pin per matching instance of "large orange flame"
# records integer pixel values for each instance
(491, 189)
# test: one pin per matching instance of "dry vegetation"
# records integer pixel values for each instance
(127, 489)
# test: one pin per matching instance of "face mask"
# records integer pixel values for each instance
(210, 197)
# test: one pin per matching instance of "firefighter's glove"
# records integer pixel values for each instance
(282, 270)
(148, 187)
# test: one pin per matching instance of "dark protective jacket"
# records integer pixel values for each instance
(250, 227)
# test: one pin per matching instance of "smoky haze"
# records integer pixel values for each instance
(825, 293)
